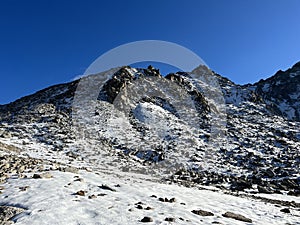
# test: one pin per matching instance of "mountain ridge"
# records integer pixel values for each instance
(221, 78)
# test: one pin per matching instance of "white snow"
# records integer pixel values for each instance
(266, 87)
(294, 74)
(287, 109)
(52, 201)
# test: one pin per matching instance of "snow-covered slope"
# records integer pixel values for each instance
(147, 133)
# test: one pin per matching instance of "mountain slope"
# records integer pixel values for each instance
(257, 139)
(167, 129)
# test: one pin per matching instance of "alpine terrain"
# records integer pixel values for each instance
(131, 146)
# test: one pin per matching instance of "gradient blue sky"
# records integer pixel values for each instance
(45, 42)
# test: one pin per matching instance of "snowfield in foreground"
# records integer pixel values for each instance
(102, 198)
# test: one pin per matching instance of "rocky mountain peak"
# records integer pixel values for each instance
(281, 92)
(124, 76)
(127, 76)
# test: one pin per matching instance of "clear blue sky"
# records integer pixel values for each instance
(45, 42)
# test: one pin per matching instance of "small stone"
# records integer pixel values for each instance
(21, 176)
(21, 169)
(25, 188)
(88, 169)
(147, 219)
(172, 200)
(105, 187)
(139, 203)
(46, 175)
(68, 169)
(202, 213)
(36, 176)
(170, 219)
(78, 180)
(81, 193)
(285, 210)
(101, 194)
(237, 217)
(92, 196)
(161, 199)
(139, 207)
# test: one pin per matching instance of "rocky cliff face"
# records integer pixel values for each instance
(259, 149)
(281, 93)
